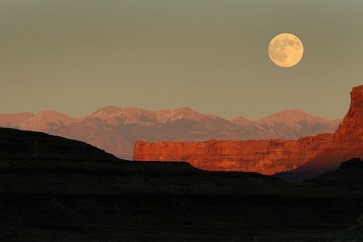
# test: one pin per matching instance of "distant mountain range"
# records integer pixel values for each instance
(115, 129)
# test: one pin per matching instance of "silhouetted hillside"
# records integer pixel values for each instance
(54, 189)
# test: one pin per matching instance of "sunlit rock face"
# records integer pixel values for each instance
(309, 154)
(347, 142)
(263, 156)
(351, 129)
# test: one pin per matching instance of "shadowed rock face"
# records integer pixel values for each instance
(309, 154)
(16, 145)
(352, 164)
(52, 187)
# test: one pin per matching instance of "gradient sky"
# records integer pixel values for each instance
(75, 56)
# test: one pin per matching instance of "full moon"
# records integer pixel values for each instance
(286, 50)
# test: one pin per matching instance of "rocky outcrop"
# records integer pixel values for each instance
(353, 164)
(347, 141)
(263, 156)
(351, 129)
(309, 154)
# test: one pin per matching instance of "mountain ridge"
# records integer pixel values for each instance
(116, 129)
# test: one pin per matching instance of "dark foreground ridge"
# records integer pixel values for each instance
(54, 189)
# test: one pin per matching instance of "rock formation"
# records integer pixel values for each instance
(351, 129)
(263, 156)
(347, 141)
(309, 154)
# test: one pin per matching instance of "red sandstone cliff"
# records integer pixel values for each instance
(347, 140)
(351, 129)
(317, 153)
(263, 156)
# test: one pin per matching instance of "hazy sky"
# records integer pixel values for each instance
(75, 56)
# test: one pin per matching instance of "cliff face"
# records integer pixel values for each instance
(351, 129)
(347, 141)
(263, 156)
(309, 154)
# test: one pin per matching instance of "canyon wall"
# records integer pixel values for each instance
(350, 131)
(316, 153)
(347, 141)
(263, 156)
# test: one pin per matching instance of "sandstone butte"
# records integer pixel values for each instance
(309, 154)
